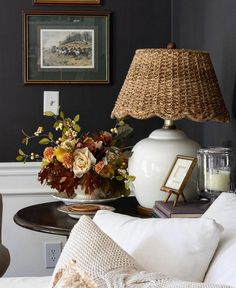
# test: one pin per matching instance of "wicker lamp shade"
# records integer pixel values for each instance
(172, 84)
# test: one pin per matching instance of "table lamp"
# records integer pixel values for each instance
(171, 84)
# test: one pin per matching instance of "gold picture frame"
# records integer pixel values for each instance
(67, 2)
(178, 177)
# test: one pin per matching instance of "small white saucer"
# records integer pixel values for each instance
(70, 209)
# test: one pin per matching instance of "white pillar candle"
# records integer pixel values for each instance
(218, 180)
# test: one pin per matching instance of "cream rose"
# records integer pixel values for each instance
(83, 160)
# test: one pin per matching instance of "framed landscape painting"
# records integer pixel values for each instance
(68, 2)
(66, 47)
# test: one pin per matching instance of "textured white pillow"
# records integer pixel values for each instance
(180, 248)
(223, 266)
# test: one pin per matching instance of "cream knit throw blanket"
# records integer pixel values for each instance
(73, 277)
(131, 278)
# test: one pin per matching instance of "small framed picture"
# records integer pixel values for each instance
(66, 47)
(178, 176)
(68, 2)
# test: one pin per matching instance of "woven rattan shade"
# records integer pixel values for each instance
(171, 84)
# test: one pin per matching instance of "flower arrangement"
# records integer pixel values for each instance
(90, 161)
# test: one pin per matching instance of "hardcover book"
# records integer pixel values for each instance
(191, 209)
(156, 213)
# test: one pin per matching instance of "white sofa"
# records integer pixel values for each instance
(222, 268)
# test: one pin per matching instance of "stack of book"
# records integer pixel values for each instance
(192, 209)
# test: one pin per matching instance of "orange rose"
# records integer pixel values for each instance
(104, 170)
(67, 160)
(48, 153)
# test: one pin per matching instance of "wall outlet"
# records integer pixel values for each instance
(52, 254)
(51, 101)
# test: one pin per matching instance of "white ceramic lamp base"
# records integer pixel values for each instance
(151, 161)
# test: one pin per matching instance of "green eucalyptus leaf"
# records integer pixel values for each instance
(126, 192)
(76, 118)
(126, 185)
(21, 152)
(121, 123)
(76, 127)
(64, 130)
(50, 135)
(49, 114)
(123, 132)
(56, 124)
(24, 141)
(119, 178)
(131, 178)
(20, 158)
(44, 141)
(62, 115)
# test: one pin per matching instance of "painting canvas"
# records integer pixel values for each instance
(63, 48)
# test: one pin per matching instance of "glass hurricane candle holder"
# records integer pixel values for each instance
(216, 171)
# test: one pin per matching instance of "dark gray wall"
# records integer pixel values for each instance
(210, 25)
(134, 24)
(196, 24)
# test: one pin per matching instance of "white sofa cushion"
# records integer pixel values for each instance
(99, 257)
(223, 266)
(181, 248)
(25, 282)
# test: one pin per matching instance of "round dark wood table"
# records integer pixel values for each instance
(46, 218)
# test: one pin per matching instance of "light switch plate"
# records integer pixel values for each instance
(51, 101)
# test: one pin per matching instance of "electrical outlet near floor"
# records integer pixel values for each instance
(52, 254)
